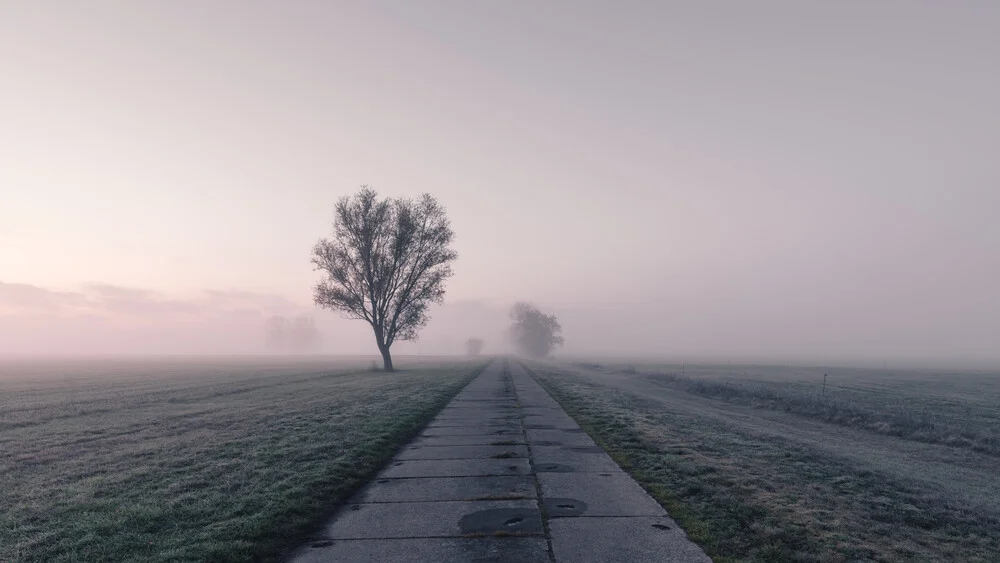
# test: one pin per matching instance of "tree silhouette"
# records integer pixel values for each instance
(532, 332)
(387, 261)
(276, 333)
(474, 346)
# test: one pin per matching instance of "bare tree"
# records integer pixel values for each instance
(532, 332)
(387, 261)
(474, 346)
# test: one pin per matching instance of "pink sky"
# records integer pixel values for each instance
(674, 178)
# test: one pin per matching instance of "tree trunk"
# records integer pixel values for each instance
(386, 358)
(383, 348)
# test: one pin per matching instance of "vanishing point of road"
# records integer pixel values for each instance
(502, 474)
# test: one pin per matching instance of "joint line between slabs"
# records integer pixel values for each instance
(531, 464)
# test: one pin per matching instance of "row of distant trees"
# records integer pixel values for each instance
(532, 332)
(388, 259)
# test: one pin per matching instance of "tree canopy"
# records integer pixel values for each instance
(387, 261)
(532, 332)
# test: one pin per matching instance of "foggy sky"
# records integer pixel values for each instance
(773, 179)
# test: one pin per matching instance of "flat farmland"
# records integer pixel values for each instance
(759, 463)
(194, 459)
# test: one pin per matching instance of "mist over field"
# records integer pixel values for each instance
(111, 320)
(668, 179)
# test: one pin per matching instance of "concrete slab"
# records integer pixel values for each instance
(558, 437)
(601, 494)
(506, 405)
(480, 414)
(591, 460)
(470, 431)
(438, 550)
(463, 452)
(473, 440)
(435, 519)
(624, 540)
(455, 468)
(549, 423)
(488, 425)
(426, 489)
(485, 414)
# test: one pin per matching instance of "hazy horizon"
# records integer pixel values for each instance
(810, 183)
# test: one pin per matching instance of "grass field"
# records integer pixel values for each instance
(196, 459)
(758, 464)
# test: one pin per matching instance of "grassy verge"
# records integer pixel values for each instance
(744, 496)
(176, 468)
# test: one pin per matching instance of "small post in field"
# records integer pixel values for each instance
(824, 385)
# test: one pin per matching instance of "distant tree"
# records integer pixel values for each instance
(474, 346)
(303, 335)
(532, 332)
(386, 263)
(276, 333)
(291, 335)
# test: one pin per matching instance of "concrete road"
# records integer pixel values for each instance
(502, 474)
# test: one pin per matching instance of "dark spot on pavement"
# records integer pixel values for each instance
(493, 520)
(323, 543)
(661, 526)
(562, 507)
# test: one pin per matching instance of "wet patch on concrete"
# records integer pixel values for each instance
(501, 521)
(564, 507)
